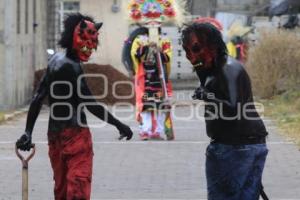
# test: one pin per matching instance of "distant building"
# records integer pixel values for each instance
(29, 27)
(115, 30)
(239, 6)
(201, 7)
(22, 49)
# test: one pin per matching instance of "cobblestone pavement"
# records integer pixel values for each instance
(142, 170)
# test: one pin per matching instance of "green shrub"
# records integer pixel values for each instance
(274, 62)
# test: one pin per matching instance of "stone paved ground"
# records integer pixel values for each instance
(142, 170)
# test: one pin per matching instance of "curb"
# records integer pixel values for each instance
(15, 113)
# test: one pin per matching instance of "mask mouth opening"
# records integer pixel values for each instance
(198, 64)
(87, 50)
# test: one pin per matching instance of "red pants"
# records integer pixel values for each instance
(71, 156)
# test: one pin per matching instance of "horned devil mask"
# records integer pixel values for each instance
(85, 39)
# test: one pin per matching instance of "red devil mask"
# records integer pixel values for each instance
(85, 39)
(198, 52)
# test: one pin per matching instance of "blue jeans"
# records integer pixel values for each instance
(233, 172)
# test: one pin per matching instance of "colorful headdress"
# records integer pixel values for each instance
(161, 11)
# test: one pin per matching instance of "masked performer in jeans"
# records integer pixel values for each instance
(69, 138)
(237, 152)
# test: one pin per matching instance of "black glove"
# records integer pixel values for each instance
(125, 131)
(24, 143)
(200, 93)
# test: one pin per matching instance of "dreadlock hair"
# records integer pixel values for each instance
(210, 36)
(126, 53)
(70, 23)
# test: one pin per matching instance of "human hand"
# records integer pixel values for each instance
(200, 93)
(125, 131)
(24, 143)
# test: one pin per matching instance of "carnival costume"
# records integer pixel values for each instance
(69, 138)
(149, 92)
(149, 61)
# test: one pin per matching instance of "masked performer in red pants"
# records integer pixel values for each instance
(69, 138)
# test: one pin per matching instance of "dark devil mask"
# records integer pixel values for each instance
(204, 45)
(198, 52)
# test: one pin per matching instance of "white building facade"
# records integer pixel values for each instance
(22, 49)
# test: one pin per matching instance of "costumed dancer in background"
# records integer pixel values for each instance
(236, 156)
(237, 48)
(150, 99)
(237, 44)
(69, 138)
(151, 63)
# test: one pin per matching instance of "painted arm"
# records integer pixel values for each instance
(24, 143)
(230, 105)
(99, 111)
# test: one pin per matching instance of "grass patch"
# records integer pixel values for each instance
(1, 117)
(285, 109)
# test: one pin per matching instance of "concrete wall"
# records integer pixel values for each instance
(22, 53)
(200, 7)
(115, 30)
(112, 34)
(238, 5)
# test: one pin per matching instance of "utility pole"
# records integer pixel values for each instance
(212, 8)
